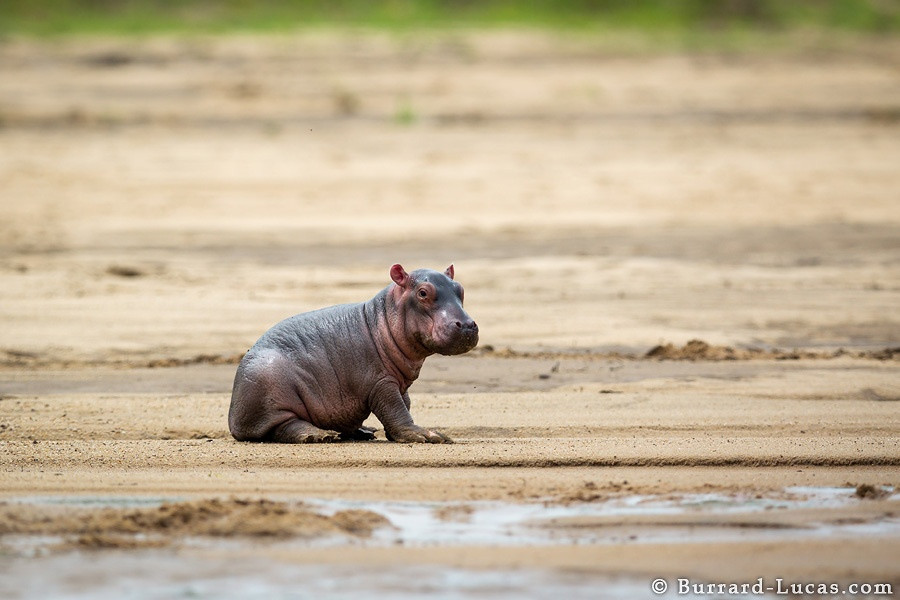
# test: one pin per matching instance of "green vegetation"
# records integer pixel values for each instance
(405, 114)
(47, 17)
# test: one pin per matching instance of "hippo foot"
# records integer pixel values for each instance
(416, 434)
(296, 431)
(363, 434)
(325, 437)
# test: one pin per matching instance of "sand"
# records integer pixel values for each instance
(684, 268)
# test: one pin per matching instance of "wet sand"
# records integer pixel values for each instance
(166, 201)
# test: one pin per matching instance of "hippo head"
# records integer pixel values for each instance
(433, 310)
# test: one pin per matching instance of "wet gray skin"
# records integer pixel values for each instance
(316, 376)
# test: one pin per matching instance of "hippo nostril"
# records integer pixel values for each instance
(468, 326)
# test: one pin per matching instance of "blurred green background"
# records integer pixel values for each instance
(51, 17)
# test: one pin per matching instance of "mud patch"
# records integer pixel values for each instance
(455, 512)
(694, 350)
(205, 359)
(21, 359)
(125, 271)
(115, 527)
(699, 350)
(872, 492)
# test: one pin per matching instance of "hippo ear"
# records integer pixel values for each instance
(449, 272)
(399, 275)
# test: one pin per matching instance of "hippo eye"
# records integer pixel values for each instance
(423, 294)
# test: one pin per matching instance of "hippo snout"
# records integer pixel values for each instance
(464, 337)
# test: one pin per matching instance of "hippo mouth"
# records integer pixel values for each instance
(462, 345)
(460, 342)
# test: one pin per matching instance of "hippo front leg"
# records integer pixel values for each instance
(392, 409)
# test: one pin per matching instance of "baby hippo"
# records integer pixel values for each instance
(316, 376)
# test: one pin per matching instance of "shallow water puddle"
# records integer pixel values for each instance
(233, 566)
(634, 518)
(631, 518)
(153, 575)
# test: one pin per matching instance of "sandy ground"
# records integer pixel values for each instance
(166, 201)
